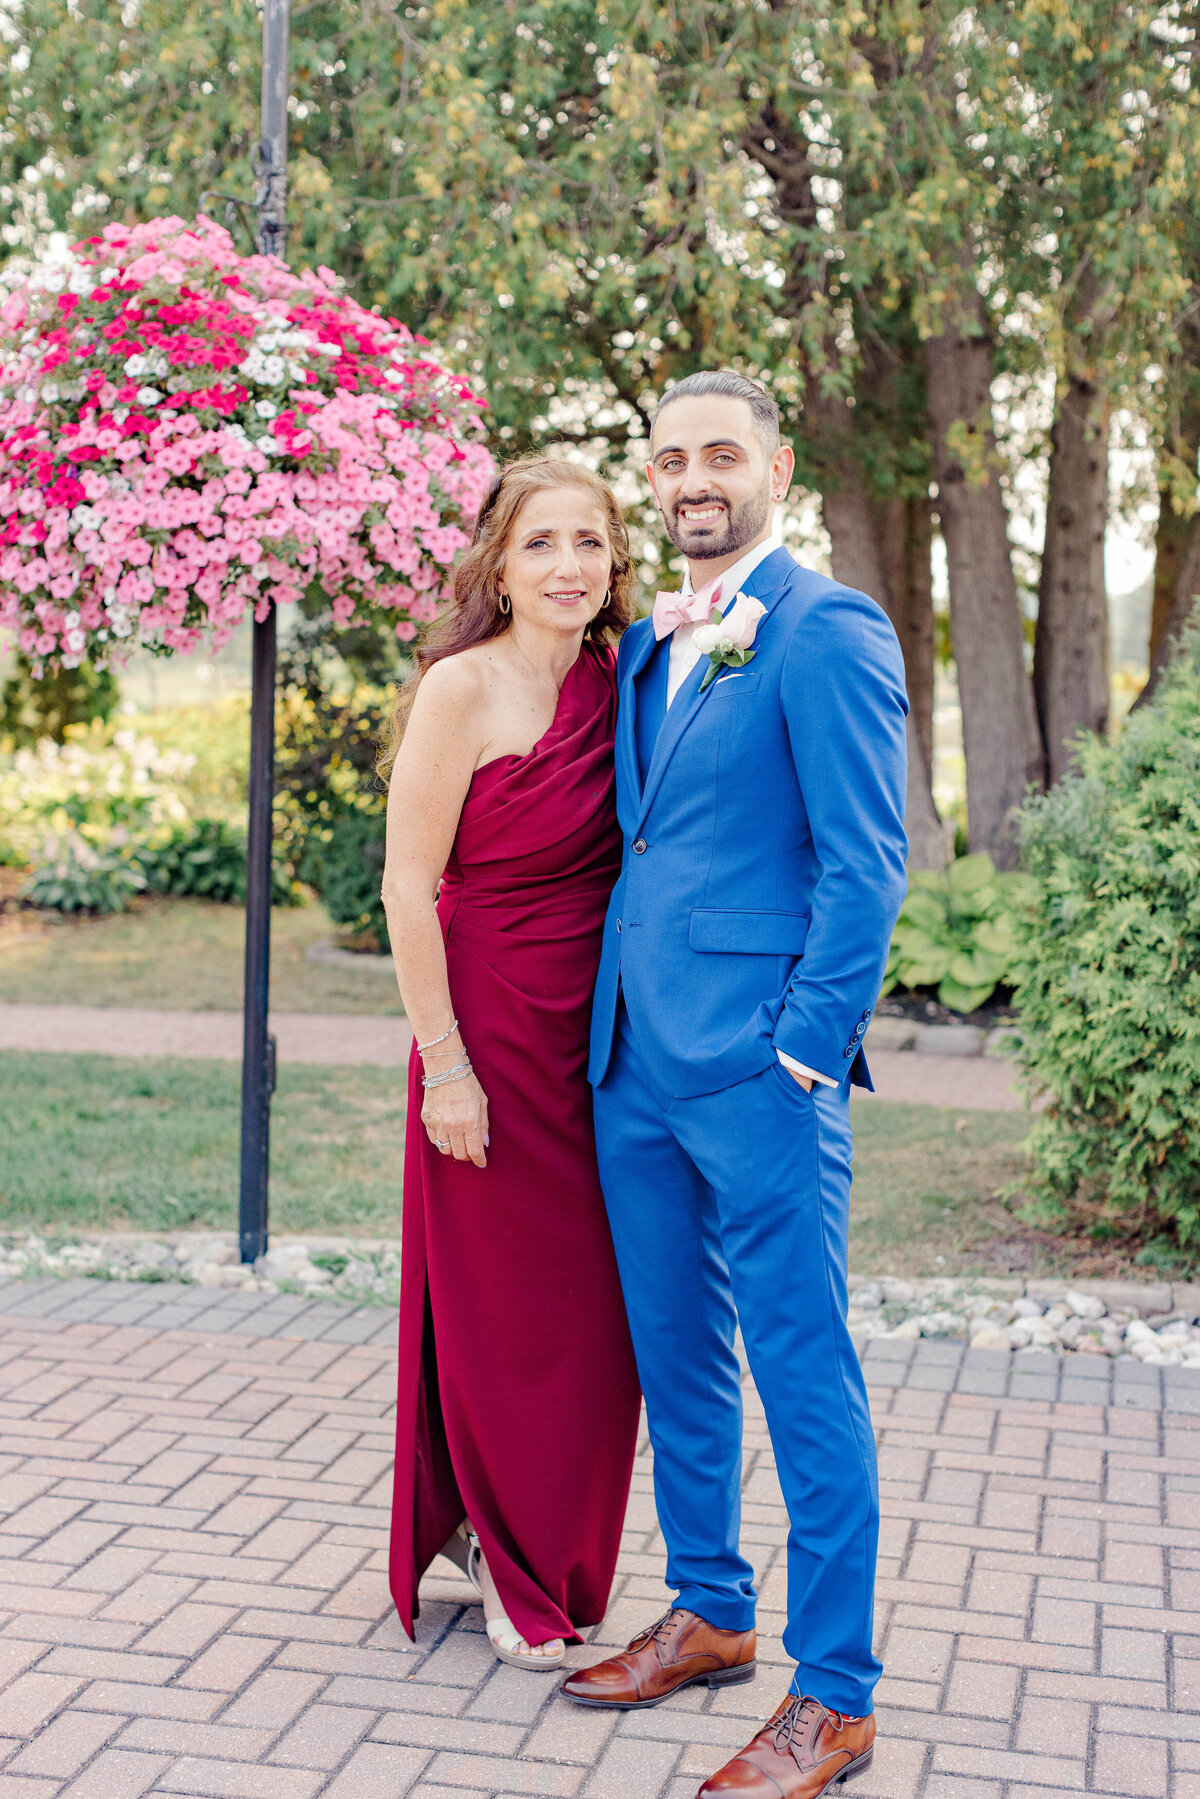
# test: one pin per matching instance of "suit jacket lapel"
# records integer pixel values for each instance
(765, 584)
(628, 766)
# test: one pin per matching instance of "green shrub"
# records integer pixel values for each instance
(31, 709)
(206, 859)
(958, 931)
(71, 876)
(349, 873)
(1108, 986)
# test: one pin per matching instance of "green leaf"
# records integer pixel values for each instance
(969, 873)
(960, 998)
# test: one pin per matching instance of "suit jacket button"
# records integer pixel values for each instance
(618, 927)
(639, 848)
(851, 1050)
(867, 1016)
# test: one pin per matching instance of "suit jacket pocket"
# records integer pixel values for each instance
(736, 682)
(748, 933)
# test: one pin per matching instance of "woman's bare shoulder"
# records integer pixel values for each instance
(457, 683)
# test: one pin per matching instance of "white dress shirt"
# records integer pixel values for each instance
(684, 654)
(682, 659)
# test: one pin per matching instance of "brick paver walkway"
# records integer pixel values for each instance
(193, 1594)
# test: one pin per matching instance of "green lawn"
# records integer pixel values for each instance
(180, 954)
(101, 1143)
(96, 1142)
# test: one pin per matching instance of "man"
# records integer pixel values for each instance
(760, 782)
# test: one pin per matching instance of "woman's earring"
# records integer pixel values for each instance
(504, 604)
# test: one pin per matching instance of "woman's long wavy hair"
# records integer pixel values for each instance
(475, 615)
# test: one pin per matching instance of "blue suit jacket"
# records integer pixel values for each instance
(764, 850)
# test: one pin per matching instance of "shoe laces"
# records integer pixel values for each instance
(799, 1712)
(658, 1632)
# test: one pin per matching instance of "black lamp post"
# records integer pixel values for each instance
(258, 1052)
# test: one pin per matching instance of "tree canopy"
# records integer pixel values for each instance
(881, 209)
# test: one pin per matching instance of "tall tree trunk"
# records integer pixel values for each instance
(1070, 659)
(905, 530)
(1000, 731)
(1185, 607)
(861, 560)
(1174, 530)
(1171, 536)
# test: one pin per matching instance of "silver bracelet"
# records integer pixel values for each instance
(434, 1041)
(459, 1072)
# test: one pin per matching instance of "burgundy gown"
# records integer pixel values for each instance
(518, 1398)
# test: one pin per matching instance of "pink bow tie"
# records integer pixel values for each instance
(674, 609)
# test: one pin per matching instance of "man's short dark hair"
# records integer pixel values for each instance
(730, 386)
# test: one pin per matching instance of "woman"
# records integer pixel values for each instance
(518, 1400)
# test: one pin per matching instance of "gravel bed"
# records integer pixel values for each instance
(1154, 1322)
(1157, 1323)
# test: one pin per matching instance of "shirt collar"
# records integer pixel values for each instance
(741, 571)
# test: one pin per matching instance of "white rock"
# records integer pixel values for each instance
(897, 1292)
(308, 1276)
(151, 1255)
(1056, 1317)
(1028, 1308)
(208, 1255)
(1032, 1333)
(232, 1276)
(1085, 1305)
(281, 1264)
(209, 1275)
(867, 1299)
(989, 1336)
(942, 1324)
(908, 1332)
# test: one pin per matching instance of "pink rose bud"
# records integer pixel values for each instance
(740, 624)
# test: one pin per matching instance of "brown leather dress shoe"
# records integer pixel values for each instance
(801, 1753)
(681, 1650)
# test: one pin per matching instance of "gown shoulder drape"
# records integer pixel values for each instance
(518, 1397)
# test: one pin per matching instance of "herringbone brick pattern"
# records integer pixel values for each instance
(193, 1600)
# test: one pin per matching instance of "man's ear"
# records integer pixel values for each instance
(653, 488)
(783, 467)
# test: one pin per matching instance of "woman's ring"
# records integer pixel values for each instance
(438, 1144)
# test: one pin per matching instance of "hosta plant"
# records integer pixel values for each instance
(72, 876)
(188, 435)
(959, 932)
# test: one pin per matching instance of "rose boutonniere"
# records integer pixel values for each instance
(726, 640)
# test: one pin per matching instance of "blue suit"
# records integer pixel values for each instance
(762, 872)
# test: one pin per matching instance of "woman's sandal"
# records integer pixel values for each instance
(463, 1548)
(505, 1637)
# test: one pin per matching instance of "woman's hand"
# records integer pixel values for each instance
(456, 1118)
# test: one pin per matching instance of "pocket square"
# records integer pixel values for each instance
(738, 675)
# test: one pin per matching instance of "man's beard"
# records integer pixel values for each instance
(724, 536)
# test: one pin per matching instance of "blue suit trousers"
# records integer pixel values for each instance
(734, 1206)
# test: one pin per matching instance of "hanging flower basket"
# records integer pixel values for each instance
(188, 435)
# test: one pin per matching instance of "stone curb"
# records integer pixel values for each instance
(334, 956)
(939, 1039)
(1149, 1299)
